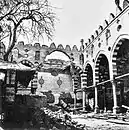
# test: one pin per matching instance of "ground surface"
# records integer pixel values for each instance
(101, 124)
(93, 123)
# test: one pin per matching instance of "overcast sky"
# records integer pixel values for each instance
(80, 18)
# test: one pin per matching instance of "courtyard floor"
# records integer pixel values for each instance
(94, 123)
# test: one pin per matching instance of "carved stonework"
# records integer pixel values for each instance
(59, 82)
(108, 33)
(81, 59)
(54, 72)
(41, 81)
(125, 3)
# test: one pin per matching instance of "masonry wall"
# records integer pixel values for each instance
(103, 42)
(106, 41)
(24, 51)
(26, 54)
(51, 82)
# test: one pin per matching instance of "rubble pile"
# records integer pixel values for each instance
(61, 120)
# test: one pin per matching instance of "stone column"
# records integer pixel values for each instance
(95, 80)
(96, 100)
(87, 100)
(74, 90)
(104, 97)
(115, 107)
(75, 97)
(84, 100)
(113, 71)
(83, 86)
(121, 96)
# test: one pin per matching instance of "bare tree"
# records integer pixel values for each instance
(25, 17)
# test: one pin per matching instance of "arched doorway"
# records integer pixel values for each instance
(55, 72)
(121, 67)
(89, 72)
(56, 54)
(90, 92)
(105, 97)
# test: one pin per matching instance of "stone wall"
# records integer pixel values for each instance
(35, 55)
(57, 84)
(28, 52)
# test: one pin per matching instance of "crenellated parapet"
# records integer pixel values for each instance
(37, 53)
(52, 47)
(67, 48)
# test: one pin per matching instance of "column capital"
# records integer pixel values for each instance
(116, 109)
(96, 110)
(113, 81)
(84, 89)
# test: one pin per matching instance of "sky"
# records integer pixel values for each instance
(79, 19)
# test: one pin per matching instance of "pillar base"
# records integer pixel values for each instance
(84, 109)
(105, 109)
(96, 109)
(116, 109)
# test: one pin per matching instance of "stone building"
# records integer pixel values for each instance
(54, 73)
(105, 80)
(97, 73)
